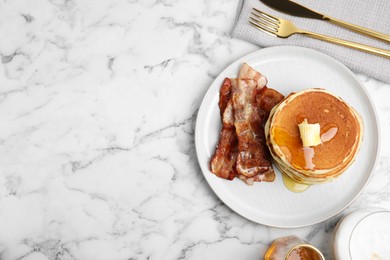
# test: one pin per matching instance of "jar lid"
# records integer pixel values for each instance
(363, 234)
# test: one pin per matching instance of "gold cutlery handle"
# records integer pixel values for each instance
(359, 29)
(354, 45)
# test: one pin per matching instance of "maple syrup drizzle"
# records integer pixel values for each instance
(297, 154)
(308, 153)
(291, 145)
(293, 185)
(329, 132)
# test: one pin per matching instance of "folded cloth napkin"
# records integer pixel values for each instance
(372, 14)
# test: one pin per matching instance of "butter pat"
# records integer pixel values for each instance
(310, 133)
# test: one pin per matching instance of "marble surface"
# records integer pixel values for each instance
(98, 102)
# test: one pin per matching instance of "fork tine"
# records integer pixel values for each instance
(263, 20)
(261, 27)
(269, 17)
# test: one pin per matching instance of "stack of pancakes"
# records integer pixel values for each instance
(341, 132)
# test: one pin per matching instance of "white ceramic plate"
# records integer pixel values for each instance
(289, 69)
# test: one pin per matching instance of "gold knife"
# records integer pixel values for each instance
(293, 8)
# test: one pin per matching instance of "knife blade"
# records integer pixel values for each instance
(293, 8)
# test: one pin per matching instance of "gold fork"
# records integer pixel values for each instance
(285, 28)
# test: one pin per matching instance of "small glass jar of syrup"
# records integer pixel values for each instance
(292, 248)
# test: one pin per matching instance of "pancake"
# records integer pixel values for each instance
(341, 131)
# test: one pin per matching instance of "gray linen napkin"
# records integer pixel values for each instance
(372, 14)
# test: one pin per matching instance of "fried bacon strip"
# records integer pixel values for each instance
(252, 156)
(224, 95)
(245, 156)
(223, 162)
(266, 99)
(247, 72)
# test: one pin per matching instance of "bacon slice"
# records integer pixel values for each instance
(266, 99)
(224, 95)
(247, 72)
(223, 162)
(259, 101)
(252, 159)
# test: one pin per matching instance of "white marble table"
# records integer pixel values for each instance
(98, 102)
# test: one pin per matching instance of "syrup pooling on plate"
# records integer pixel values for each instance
(293, 185)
